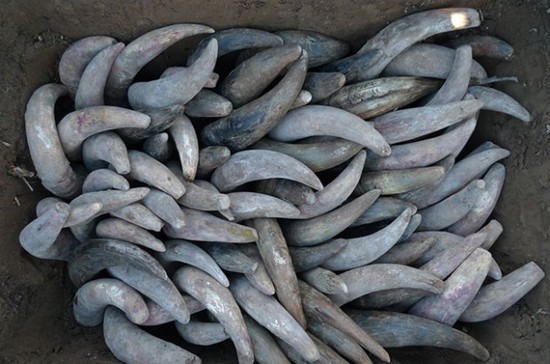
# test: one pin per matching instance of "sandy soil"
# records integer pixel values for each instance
(35, 295)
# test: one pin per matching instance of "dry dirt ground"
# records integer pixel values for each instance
(36, 324)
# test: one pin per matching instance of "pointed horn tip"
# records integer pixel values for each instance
(496, 224)
(296, 47)
(384, 356)
(212, 43)
(385, 151)
(361, 155)
(483, 252)
(538, 270)
(375, 191)
(163, 137)
(124, 171)
(409, 212)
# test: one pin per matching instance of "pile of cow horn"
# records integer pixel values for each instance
(320, 212)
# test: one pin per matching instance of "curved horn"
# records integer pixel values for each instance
(148, 170)
(320, 308)
(240, 87)
(46, 149)
(260, 277)
(250, 205)
(74, 60)
(110, 200)
(81, 124)
(322, 228)
(187, 145)
(392, 40)
(251, 122)
(269, 313)
(92, 82)
(327, 355)
(498, 101)
(203, 226)
(484, 46)
(380, 277)
(495, 298)
(395, 330)
(97, 254)
(78, 214)
(396, 181)
(457, 81)
(337, 191)
(439, 216)
(106, 148)
(131, 344)
(104, 179)
(161, 291)
(278, 262)
(91, 300)
(407, 124)
(303, 98)
(371, 98)
(165, 207)
(185, 252)
(218, 300)
(177, 89)
(483, 207)
(324, 281)
(460, 289)
(424, 152)
(144, 49)
(40, 237)
(318, 156)
(199, 198)
(139, 215)
(253, 165)
(314, 120)
(462, 173)
(364, 250)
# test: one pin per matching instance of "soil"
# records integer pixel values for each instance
(36, 323)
